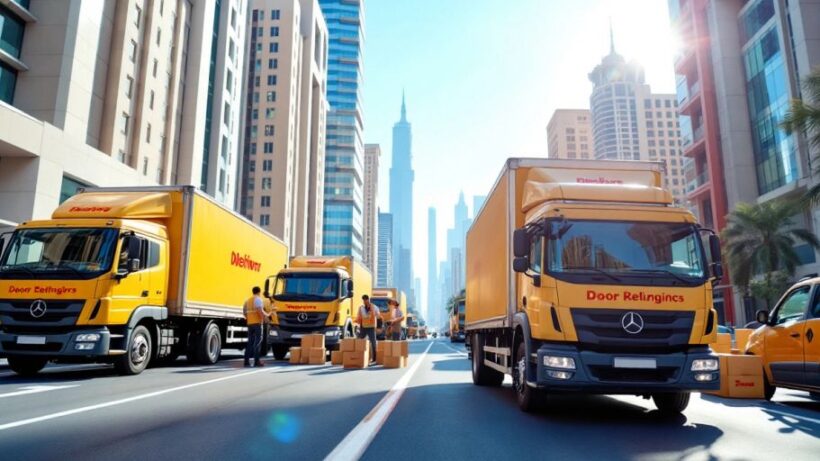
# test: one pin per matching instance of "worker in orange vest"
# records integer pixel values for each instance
(367, 320)
(254, 310)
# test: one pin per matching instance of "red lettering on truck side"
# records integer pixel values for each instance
(245, 262)
(89, 209)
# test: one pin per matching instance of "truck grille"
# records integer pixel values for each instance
(16, 316)
(609, 374)
(662, 330)
(311, 322)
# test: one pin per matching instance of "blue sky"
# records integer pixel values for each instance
(483, 77)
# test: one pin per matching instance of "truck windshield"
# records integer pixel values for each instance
(58, 253)
(664, 253)
(306, 287)
(381, 303)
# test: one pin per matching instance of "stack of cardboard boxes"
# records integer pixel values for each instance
(741, 376)
(311, 352)
(355, 353)
(395, 354)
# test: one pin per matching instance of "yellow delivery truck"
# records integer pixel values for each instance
(130, 275)
(582, 276)
(380, 298)
(316, 294)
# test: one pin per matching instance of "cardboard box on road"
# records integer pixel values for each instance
(309, 341)
(348, 345)
(362, 345)
(742, 338)
(395, 362)
(741, 376)
(335, 357)
(399, 349)
(355, 359)
(381, 347)
(295, 355)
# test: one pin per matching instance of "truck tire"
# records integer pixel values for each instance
(768, 388)
(209, 345)
(671, 403)
(528, 398)
(27, 366)
(138, 353)
(280, 351)
(482, 374)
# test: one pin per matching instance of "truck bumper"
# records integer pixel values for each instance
(278, 336)
(634, 374)
(57, 345)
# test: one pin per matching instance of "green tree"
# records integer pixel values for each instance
(760, 239)
(804, 117)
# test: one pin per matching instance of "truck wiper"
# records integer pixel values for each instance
(76, 271)
(594, 269)
(19, 268)
(663, 271)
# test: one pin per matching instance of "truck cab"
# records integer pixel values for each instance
(315, 295)
(457, 320)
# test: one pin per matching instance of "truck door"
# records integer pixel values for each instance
(156, 269)
(537, 293)
(132, 285)
(784, 339)
(811, 342)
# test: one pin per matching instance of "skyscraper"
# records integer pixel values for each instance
(456, 242)
(372, 152)
(433, 303)
(741, 63)
(401, 201)
(569, 134)
(344, 161)
(284, 108)
(629, 122)
(384, 273)
(116, 93)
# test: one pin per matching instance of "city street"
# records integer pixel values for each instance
(309, 412)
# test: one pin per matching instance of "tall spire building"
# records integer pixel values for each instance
(401, 202)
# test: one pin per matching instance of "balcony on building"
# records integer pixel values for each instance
(691, 138)
(688, 95)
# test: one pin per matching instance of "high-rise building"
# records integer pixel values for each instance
(456, 246)
(384, 273)
(284, 129)
(401, 200)
(372, 152)
(741, 64)
(569, 134)
(117, 93)
(344, 162)
(432, 268)
(629, 122)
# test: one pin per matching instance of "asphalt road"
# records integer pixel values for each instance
(306, 412)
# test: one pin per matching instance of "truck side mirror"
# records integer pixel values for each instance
(762, 316)
(134, 265)
(521, 264)
(521, 243)
(267, 288)
(715, 253)
(349, 288)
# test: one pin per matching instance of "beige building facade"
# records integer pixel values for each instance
(285, 108)
(120, 93)
(569, 134)
(372, 152)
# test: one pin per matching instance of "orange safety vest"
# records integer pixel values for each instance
(368, 321)
(251, 315)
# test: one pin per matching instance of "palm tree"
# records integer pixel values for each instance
(761, 238)
(804, 117)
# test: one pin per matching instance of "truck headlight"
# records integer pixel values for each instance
(332, 333)
(87, 337)
(554, 361)
(83, 346)
(704, 377)
(273, 332)
(705, 365)
(559, 374)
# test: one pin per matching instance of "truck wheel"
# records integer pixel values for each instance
(137, 354)
(280, 351)
(27, 366)
(482, 374)
(671, 403)
(527, 397)
(209, 345)
(768, 388)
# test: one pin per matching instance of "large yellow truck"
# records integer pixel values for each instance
(457, 319)
(380, 298)
(412, 326)
(316, 295)
(582, 276)
(130, 275)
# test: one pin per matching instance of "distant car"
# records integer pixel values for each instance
(435, 334)
(785, 341)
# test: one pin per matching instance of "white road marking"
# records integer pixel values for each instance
(26, 422)
(36, 390)
(454, 350)
(356, 442)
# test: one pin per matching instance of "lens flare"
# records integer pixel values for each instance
(284, 427)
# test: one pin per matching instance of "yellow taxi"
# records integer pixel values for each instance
(789, 340)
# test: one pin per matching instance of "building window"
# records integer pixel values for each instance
(8, 80)
(137, 16)
(226, 114)
(124, 121)
(151, 100)
(269, 113)
(69, 188)
(256, 81)
(252, 166)
(265, 201)
(148, 133)
(224, 147)
(159, 36)
(271, 80)
(222, 181)
(233, 19)
(256, 97)
(154, 69)
(121, 156)
(274, 31)
(266, 183)
(253, 148)
(254, 114)
(268, 130)
(264, 220)
(273, 47)
(11, 32)
(271, 96)
(274, 14)
(273, 63)
(232, 50)
(267, 165)
(145, 166)
(161, 7)
(229, 81)
(132, 51)
(268, 147)
(129, 86)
